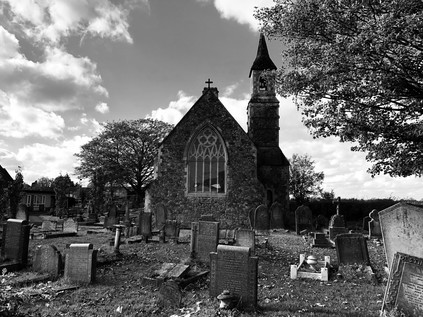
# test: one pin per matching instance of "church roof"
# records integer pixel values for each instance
(263, 60)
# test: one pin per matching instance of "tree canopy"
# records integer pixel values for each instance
(356, 69)
(304, 181)
(123, 153)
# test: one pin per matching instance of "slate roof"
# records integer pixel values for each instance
(4, 174)
(263, 60)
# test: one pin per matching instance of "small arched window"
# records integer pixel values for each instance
(206, 163)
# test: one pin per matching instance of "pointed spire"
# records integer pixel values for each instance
(263, 60)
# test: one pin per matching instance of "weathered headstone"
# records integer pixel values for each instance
(365, 226)
(112, 217)
(170, 294)
(404, 289)
(374, 225)
(321, 241)
(80, 263)
(337, 223)
(171, 229)
(351, 248)
(303, 219)
(246, 238)
(402, 230)
(276, 215)
(321, 222)
(161, 216)
(145, 224)
(70, 225)
(261, 218)
(233, 269)
(22, 213)
(251, 215)
(207, 239)
(15, 241)
(194, 236)
(47, 259)
(48, 225)
(184, 235)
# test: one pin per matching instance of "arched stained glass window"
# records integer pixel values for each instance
(206, 163)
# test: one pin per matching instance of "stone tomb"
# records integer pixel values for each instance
(207, 239)
(303, 219)
(80, 263)
(402, 230)
(70, 225)
(351, 248)
(47, 259)
(246, 238)
(232, 268)
(404, 289)
(15, 241)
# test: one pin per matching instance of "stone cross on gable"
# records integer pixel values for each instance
(208, 82)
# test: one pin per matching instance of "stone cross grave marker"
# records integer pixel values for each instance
(233, 269)
(303, 219)
(404, 289)
(246, 238)
(276, 215)
(337, 223)
(207, 239)
(47, 259)
(70, 225)
(261, 218)
(80, 263)
(351, 248)
(15, 241)
(402, 230)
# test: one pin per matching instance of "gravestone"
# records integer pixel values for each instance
(207, 239)
(321, 222)
(70, 225)
(374, 225)
(402, 230)
(351, 248)
(145, 224)
(321, 241)
(404, 289)
(233, 269)
(161, 216)
(194, 236)
(47, 259)
(184, 235)
(261, 218)
(15, 241)
(22, 213)
(171, 229)
(112, 217)
(207, 217)
(276, 215)
(337, 223)
(48, 225)
(303, 219)
(246, 238)
(170, 294)
(366, 221)
(251, 214)
(80, 263)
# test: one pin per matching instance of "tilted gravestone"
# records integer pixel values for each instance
(404, 290)
(15, 241)
(402, 230)
(207, 239)
(261, 218)
(351, 248)
(80, 263)
(233, 269)
(170, 294)
(246, 238)
(303, 219)
(70, 225)
(276, 215)
(47, 259)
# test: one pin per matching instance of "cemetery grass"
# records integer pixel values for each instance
(119, 291)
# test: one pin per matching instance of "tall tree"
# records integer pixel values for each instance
(62, 186)
(44, 182)
(124, 153)
(356, 68)
(304, 181)
(15, 192)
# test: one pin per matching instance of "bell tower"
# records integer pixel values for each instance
(263, 107)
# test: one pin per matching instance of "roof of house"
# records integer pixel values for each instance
(4, 174)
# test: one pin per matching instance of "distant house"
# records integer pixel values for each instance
(39, 199)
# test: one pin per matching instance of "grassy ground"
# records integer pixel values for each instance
(118, 290)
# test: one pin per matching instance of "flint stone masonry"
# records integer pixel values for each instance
(15, 241)
(351, 248)
(232, 268)
(402, 230)
(47, 259)
(80, 263)
(207, 239)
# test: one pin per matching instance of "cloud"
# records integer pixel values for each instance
(102, 107)
(240, 10)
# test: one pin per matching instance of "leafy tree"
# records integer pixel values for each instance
(15, 192)
(123, 153)
(45, 182)
(356, 68)
(62, 186)
(330, 196)
(304, 182)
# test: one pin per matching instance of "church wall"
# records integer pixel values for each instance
(244, 191)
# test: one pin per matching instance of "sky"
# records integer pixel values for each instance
(68, 66)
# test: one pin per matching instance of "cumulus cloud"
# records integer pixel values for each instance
(102, 107)
(240, 10)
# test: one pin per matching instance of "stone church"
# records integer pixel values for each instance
(209, 165)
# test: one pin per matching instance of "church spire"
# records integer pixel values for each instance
(263, 60)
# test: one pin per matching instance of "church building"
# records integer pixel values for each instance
(209, 165)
